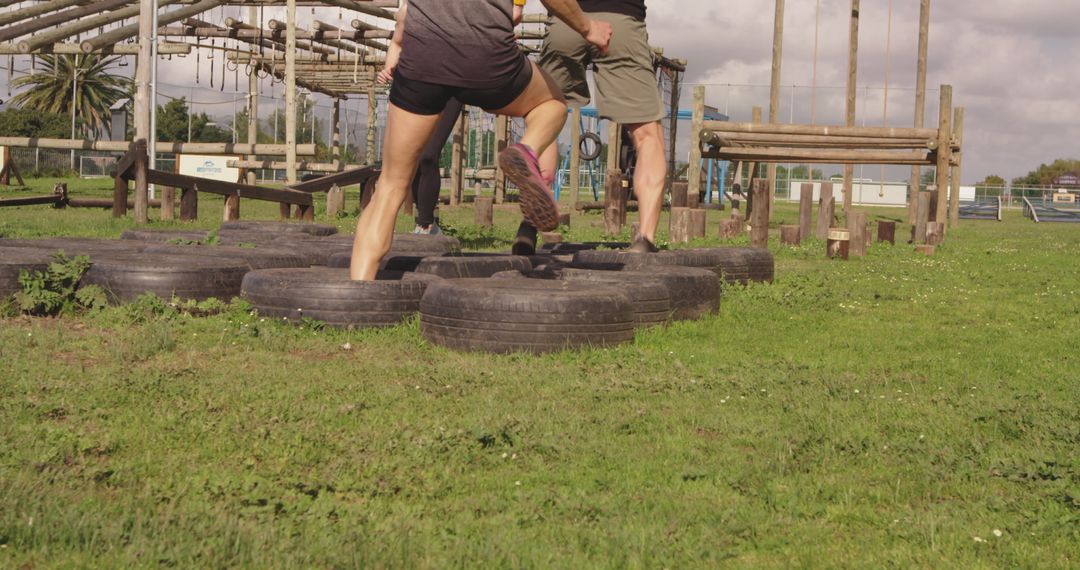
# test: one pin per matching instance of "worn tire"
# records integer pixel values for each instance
(694, 292)
(524, 315)
(616, 260)
(277, 228)
(13, 261)
(124, 277)
(732, 264)
(572, 248)
(464, 266)
(329, 296)
(651, 296)
(90, 247)
(255, 258)
(164, 236)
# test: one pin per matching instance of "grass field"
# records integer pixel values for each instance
(892, 411)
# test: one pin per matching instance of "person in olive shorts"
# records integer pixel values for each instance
(626, 92)
(465, 50)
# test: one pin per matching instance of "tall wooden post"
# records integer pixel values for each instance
(944, 151)
(853, 71)
(774, 86)
(253, 101)
(698, 120)
(857, 229)
(335, 144)
(752, 167)
(143, 106)
(371, 122)
(922, 218)
(954, 193)
(759, 217)
(806, 208)
(573, 189)
(826, 211)
(457, 159)
(502, 134)
(290, 101)
(920, 102)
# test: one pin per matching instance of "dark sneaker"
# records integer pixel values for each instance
(538, 206)
(642, 245)
(525, 242)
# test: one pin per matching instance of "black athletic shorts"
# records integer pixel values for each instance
(423, 98)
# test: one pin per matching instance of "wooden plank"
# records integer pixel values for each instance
(285, 196)
(920, 101)
(806, 210)
(346, 178)
(944, 152)
(759, 215)
(954, 189)
(723, 127)
(822, 156)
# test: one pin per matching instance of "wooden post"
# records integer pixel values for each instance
(886, 232)
(372, 123)
(759, 217)
(573, 187)
(806, 210)
(679, 228)
(564, 220)
(838, 244)
(335, 143)
(922, 218)
(698, 120)
(920, 102)
(857, 233)
(290, 92)
(232, 208)
(954, 191)
(120, 193)
(944, 151)
(502, 127)
(335, 201)
(826, 211)
(679, 195)
(696, 223)
(484, 211)
(614, 203)
(253, 102)
(143, 106)
(932, 189)
(790, 235)
(168, 203)
(774, 87)
(457, 159)
(189, 204)
(853, 68)
(927, 250)
(752, 168)
(935, 233)
(731, 228)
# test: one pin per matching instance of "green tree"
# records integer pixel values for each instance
(305, 108)
(95, 88)
(1045, 174)
(28, 123)
(992, 180)
(175, 122)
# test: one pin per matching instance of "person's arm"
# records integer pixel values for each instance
(595, 32)
(519, 11)
(393, 51)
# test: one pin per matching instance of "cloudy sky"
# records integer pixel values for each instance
(1012, 64)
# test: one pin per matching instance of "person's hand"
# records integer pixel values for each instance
(386, 75)
(599, 35)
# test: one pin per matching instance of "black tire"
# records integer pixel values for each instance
(329, 296)
(651, 296)
(79, 246)
(597, 146)
(616, 260)
(164, 236)
(124, 278)
(732, 264)
(465, 266)
(255, 258)
(13, 261)
(572, 248)
(524, 315)
(694, 292)
(277, 228)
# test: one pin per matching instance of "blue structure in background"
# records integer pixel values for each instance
(684, 115)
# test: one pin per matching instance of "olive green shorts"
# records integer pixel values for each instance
(626, 87)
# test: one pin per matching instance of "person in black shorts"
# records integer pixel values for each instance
(465, 50)
(427, 184)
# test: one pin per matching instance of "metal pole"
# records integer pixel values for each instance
(74, 96)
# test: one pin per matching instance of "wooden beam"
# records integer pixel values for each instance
(954, 193)
(30, 25)
(821, 156)
(821, 130)
(920, 102)
(132, 30)
(180, 148)
(284, 196)
(98, 20)
(944, 151)
(774, 86)
(850, 108)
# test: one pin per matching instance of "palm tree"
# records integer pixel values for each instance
(49, 90)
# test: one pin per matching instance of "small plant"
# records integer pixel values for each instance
(56, 290)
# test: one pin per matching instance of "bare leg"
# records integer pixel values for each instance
(544, 109)
(650, 175)
(406, 135)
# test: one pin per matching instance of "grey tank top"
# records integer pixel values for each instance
(460, 43)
